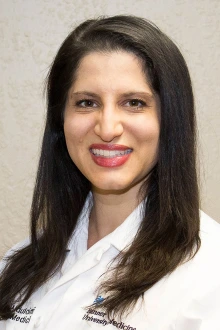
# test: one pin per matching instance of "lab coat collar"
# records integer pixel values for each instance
(124, 235)
(121, 237)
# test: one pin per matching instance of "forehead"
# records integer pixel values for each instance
(116, 56)
(117, 69)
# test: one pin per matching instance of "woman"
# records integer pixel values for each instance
(115, 224)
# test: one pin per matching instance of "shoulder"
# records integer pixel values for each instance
(210, 236)
(208, 225)
(200, 276)
(210, 242)
(204, 267)
(201, 280)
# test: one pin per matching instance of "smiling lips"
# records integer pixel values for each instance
(110, 155)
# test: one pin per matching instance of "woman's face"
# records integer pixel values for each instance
(111, 121)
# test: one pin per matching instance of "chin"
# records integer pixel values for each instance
(112, 187)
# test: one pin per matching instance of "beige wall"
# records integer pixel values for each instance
(31, 32)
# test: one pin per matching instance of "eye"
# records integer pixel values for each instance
(86, 104)
(135, 103)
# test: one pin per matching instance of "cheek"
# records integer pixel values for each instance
(72, 136)
(75, 130)
(147, 132)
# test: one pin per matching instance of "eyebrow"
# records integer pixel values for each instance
(128, 94)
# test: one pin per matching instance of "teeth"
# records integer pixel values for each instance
(110, 153)
(106, 153)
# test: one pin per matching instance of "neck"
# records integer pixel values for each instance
(109, 210)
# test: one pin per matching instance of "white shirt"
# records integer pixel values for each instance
(187, 299)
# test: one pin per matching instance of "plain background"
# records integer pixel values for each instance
(31, 32)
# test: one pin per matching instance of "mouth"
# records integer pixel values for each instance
(110, 155)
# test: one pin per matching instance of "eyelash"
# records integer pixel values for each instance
(141, 103)
(80, 102)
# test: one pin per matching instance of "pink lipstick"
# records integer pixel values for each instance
(110, 155)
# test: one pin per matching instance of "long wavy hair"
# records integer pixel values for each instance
(169, 233)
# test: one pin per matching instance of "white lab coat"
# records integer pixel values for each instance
(187, 299)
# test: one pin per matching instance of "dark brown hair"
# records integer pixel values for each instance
(169, 233)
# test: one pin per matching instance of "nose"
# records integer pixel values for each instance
(109, 124)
